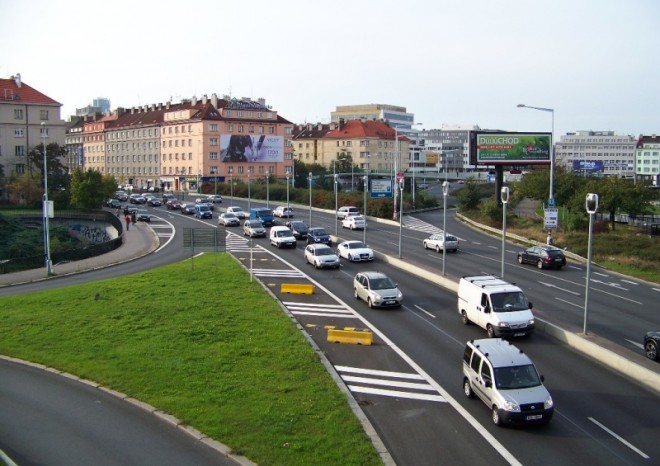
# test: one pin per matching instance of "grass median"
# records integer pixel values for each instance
(205, 345)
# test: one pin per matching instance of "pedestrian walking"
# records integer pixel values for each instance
(128, 222)
(118, 211)
(549, 239)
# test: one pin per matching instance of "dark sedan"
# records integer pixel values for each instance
(651, 344)
(188, 209)
(173, 205)
(154, 202)
(298, 228)
(543, 257)
(318, 235)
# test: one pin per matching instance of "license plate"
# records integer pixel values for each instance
(390, 302)
(534, 417)
(521, 334)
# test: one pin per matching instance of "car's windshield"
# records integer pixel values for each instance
(516, 377)
(384, 283)
(318, 231)
(255, 224)
(509, 302)
(355, 245)
(324, 252)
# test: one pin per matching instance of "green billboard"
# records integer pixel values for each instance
(513, 148)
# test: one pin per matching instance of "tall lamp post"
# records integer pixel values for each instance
(366, 189)
(287, 190)
(249, 193)
(267, 189)
(445, 191)
(309, 178)
(46, 205)
(591, 204)
(336, 207)
(231, 186)
(401, 186)
(396, 168)
(551, 198)
(504, 196)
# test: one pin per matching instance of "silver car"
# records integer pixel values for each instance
(321, 256)
(254, 229)
(377, 289)
(436, 242)
(228, 219)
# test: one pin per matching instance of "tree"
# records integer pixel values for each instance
(88, 189)
(24, 189)
(54, 154)
(344, 162)
(469, 197)
(621, 195)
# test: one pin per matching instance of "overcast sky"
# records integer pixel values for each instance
(595, 62)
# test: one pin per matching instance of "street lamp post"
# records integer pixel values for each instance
(366, 189)
(46, 204)
(267, 189)
(249, 193)
(445, 191)
(551, 198)
(287, 190)
(591, 204)
(504, 196)
(401, 186)
(309, 177)
(396, 158)
(336, 207)
(231, 186)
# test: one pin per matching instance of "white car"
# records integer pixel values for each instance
(436, 242)
(377, 289)
(355, 251)
(283, 211)
(321, 256)
(347, 211)
(236, 211)
(228, 219)
(354, 222)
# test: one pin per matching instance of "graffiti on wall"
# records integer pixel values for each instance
(87, 234)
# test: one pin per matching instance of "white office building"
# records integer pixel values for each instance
(600, 153)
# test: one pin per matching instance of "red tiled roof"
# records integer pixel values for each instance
(9, 91)
(364, 129)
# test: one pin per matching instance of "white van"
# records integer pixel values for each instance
(504, 378)
(282, 237)
(347, 211)
(499, 307)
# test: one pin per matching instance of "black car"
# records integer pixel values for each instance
(188, 209)
(154, 202)
(318, 235)
(113, 203)
(651, 345)
(298, 228)
(543, 256)
(129, 209)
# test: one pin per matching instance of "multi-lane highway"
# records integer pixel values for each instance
(601, 416)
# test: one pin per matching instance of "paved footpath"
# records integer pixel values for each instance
(137, 242)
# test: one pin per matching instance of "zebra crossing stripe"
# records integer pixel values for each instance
(369, 381)
(320, 310)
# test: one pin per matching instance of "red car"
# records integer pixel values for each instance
(173, 205)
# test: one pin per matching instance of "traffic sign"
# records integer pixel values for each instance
(399, 177)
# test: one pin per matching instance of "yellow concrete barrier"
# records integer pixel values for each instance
(354, 337)
(297, 288)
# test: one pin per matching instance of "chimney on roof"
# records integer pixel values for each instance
(214, 100)
(204, 99)
(17, 79)
(194, 101)
(320, 126)
(120, 111)
(167, 105)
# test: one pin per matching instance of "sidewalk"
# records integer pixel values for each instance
(139, 241)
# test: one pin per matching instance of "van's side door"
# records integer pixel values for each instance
(484, 311)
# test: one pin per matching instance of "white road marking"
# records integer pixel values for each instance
(550, 285)
(629, 281)
(620, 439)
(424, 311)
(581, 306)
(635, 343)
(395, 393)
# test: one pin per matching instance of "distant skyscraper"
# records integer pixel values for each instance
(99, 105)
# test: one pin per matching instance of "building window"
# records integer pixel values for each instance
(20, 168)
(213, 141)
(228, 113)
(19, 151)
(271, 130)
(18, 133)
(261, 129)
(18, 114)
(250, 129)
(239, 113)
(213, 155)
(240, 128)
(230, 127)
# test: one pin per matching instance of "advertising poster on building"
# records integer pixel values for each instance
(237, 148)
(588, 166)
(513, 148)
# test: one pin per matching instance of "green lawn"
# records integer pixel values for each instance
(205, 345)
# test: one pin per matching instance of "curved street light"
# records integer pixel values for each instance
(365, 189)
(287, 190)
(591, 205)
(401, 186)
(504, 196)
(249, 193)
(445, 191)
(309, 177)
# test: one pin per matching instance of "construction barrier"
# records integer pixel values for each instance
(354, 337)
(297, 288)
